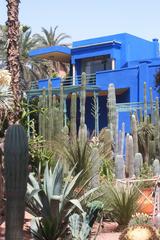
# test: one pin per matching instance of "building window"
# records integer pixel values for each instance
(96, 64)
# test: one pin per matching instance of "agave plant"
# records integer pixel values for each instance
(52, 201)
(121, 203)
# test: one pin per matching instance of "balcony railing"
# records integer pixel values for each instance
(68, 81)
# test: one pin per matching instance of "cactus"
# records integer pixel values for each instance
(50, 111)
(16, 172)
(156, 167)
(73, 114)
(138, 163)
(111, 104)
(134, 134)
(61, 108)
(145, 102)
(44, 104)
(82, 136)
(119, 167)
(83, 99)
(151, 105)
(129, 156)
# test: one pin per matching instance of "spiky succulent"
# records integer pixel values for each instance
(139, 232)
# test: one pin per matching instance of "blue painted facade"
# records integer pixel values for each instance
(130, 62)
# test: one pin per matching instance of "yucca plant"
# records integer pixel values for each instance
(52, 201)
(121, 203)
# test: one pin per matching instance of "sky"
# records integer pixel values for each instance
(90, 18)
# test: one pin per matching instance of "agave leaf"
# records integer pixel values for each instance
(69, 187)
(46, 213)
(77, 203)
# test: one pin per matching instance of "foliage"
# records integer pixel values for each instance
(79, 226)
(75, 155)
(138, 232)
(6, 96)
(40, 154)
(140, 218)
(121, 202)
(53, 200)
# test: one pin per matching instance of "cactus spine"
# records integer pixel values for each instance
(16, 172)
(73, 114)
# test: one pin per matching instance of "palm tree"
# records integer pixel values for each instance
(51, 38)
(30, 69)
(13, 62)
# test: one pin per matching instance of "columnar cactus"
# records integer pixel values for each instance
(129, 156)
(156, 167)
(134, 134)
(83, 99)
(61, 109)
(151, 105)
(119, 167)
(111, 104)
(16, 173)
(73, 114)
(50, 111)
(145, 102)
(138, 163)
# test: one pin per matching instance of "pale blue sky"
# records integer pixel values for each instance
(91, 18)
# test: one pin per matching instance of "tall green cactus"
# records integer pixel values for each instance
(16, 173)
(73, 114)
(129, 156)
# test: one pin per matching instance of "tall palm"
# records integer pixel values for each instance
(13, 62)
(51, 38)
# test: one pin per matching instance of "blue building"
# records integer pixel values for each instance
(123, 59)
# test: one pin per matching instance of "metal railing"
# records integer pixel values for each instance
(70, 81)
(133, 106)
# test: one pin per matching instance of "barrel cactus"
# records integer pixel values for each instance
(16, 173)
(139, 232)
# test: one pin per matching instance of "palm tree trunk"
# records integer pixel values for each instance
(13, 53)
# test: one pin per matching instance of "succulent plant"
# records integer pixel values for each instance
(139, 232)
(16, 173)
